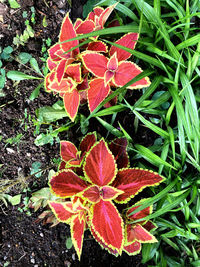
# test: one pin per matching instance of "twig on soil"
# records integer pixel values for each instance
(9, 102)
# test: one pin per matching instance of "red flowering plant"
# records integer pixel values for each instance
(91, 182)
(81, 72)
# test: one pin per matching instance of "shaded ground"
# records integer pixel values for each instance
(22, 241)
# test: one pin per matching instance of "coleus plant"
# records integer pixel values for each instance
(91, 183)
(89, 72)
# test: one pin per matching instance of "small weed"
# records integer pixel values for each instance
(14, 140)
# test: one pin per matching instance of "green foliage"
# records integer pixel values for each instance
(5, 55)
(24, 37)
(14, 4)
(88, 7)
(36, 168)
(68, 243)
(14, 140)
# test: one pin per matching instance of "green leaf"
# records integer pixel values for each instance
(36, 92)
(19, 76)
(49, 114)
(2, 81)
(110, 128)
(189, 42)
(30, 30)
(14, 4)
(69, 243)
(110, 110)
(15, 200)
(24, 57)
(43, 139)
(8, 50)
(36, 168)
(150, 125)
(44, 22)
(34, 65)
(151, 157)
(196, 263)
(88, 7)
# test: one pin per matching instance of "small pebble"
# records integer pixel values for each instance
(10, 150)
(33, 261)
(41, 234)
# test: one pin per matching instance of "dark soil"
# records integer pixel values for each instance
(23, 242)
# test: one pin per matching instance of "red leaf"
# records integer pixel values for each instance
(128, 40)
(69, 153)
(77, 234)
(113, 23)
(67, 32)
(52, 52)
(77, 23)
(126, 72)
(105, 14)
(71, 102)
(149, 226)
(109, 193)
(138, 233)
(113, 63)
(95, 193)
(96, 12)
(60, 70)
(133, 249)
(118, 148)
(67, 84)
(62, 166)
(140, 214)
(108, 224)
(47, 82)
(62, 210)
(97, 46)
(88, 141)
(83, 86)
(112, 102)
(95, 63)
(97, 92)
(85, 27)
(66, 184)
(134, 180)
(51, 64)
(99, 165)
(108, 76)
(102, 244)
(83, 97)
(74, 71)
(92, 194)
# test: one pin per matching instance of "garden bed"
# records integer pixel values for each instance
(160, 122)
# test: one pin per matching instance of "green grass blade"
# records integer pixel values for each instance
(166, 208)
(110, 128)
(156, 198)
(154, 85)
(189, 42)
(151, 157)
(150, 125)
(110, 110)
